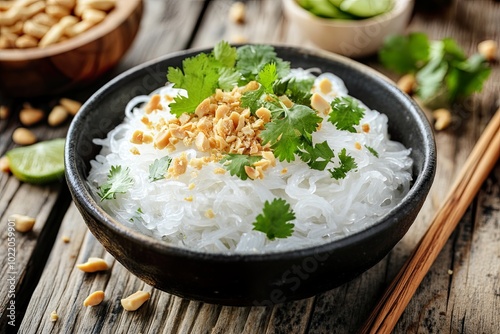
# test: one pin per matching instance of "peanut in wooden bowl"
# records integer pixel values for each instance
(73, 63)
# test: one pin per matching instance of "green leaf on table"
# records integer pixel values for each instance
(405, 54)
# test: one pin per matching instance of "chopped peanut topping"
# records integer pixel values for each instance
(325, 86)
(365, 127)
(319, 104)
(153, 104)
(135, 151)
(188, 198)
(179, 165)
(357, 145)
(209, 213)
(219, 170)
(264, 114)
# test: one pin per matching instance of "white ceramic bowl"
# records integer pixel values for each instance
(352, 38)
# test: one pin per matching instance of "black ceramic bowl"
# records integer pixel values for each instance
(250, 279)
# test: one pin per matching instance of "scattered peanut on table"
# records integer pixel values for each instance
(442, 118)
(30, 116)
(4, 164)
(488, 49)
(135, 300)
(92, 265)
(70, 105)
(54, 316)
(237, 12)
(40, 23)
(57, 116)
(95, 298)
(407, 83)
(22, 223)
(23, 136)
(4, 112)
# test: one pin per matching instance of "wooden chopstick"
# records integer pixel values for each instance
(399, 293)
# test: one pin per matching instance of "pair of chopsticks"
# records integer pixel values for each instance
(477, 167)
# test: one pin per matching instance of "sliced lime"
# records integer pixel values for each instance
(39, 163)
(366, 8)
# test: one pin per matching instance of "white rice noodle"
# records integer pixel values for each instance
(326, 209)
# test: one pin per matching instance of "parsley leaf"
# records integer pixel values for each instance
(119, 181)
(317, 156)
(346, 112)
(274, 219)
(252, 58)
(235, 163)
(347, 164)
(158, 168)
(405, 54)
(372, 150)
(285, 133)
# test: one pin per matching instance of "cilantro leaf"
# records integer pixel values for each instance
(252, 99)
(199, 77)
(267, 76)
(372, 150)
(119, 181)
(228, 78)
(405, 54)
(346, 112)
(235, 163)
(467, 77)
(347, 164)
(158, 168)
(297, 90)
(274, 219)
(252, 58)
(287, 132)
(225, 54)
(317, 156)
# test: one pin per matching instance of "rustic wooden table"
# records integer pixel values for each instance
(460, 294)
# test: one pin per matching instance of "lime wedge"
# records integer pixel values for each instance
(39, 163)
(366, 8)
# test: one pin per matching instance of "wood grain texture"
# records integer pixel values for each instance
(459, 294)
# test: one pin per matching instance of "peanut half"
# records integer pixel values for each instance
(92, 265)
(22, 223)
(23, 136)
(134, 301)
(4, 164)
(71, 106)
(57, 116)
(95, 298)
(54, 316)
(442, 117)
(30, 116)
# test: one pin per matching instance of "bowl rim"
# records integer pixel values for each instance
(78, 185)
(399, 7)
(122, 10)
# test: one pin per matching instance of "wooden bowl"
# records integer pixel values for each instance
(249, 279)
(72, 63)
